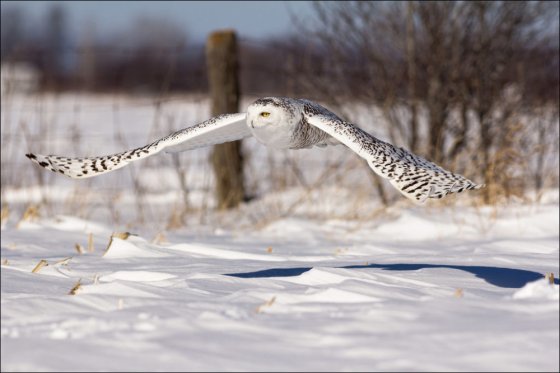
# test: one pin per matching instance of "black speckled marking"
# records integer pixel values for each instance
(88, 167)
(412, 175)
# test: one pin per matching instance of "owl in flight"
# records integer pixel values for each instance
(284, 123)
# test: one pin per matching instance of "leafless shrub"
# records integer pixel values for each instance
(450, 63)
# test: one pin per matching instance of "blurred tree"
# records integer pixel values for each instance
(55, 45)
(451, 64)
(87, 58)
(148, 56)
(12, 32)
(86, 68)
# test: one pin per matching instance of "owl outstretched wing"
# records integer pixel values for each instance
(217, 130)
(415, 177)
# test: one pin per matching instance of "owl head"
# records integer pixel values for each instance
(273, 120)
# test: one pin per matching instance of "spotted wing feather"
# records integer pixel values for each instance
(415, 177)
(220, 129)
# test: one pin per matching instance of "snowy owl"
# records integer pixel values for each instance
(284, 123)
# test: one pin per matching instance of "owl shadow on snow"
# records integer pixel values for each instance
(497, 276)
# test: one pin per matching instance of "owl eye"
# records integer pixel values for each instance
(265, 114)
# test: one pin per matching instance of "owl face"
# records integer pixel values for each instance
(264, 113)
(272, 121)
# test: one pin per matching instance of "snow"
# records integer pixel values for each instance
(312, 276)
(540, 289)
(436, 288)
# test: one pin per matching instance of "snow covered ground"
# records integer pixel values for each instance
(315, 276)
(427, 289)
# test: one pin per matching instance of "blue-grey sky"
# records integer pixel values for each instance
(252, 19)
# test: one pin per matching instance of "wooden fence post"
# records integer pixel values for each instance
(223, 79)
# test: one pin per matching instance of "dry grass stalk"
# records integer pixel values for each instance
(121, 235)
(76, 287)
(176, 219)
(458, 293)
(30, 214)
(5, 214)
(4, 262)
(64, 261)
(42, 263)
(266, 304)
(269, 250)
(159, 238)
(79, 248)
(91, 249)
(550, 277)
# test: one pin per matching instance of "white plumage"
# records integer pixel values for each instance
(284, 123)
